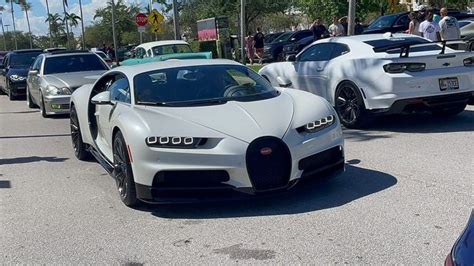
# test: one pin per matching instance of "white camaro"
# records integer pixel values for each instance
(380, 74)
(178, 130)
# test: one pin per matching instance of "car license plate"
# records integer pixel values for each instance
(448, 84)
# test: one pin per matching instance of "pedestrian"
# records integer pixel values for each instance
(335, 29)
(318, 29)
(449, 26)
(430, 29)
(249, 45)
(259, 40)
(358, 28)
(345, 25)
(414, 25)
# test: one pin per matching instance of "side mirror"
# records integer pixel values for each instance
(33, 72)
(291, 58)
(102, 98)
(284, 82)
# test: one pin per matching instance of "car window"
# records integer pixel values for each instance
(171, 49)
(148, 53)
(302, 34)
(383, 22)
(23, 60)
(5, 61)
(140, 53)
(202, 85)
(403, 21)
(318, 52)
(339, 49)
(120, 90)
(37, 64)
(73, 63)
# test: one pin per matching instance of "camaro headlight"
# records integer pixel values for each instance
(17, 78)
(317, 125)
(52, 90)
(175, 142)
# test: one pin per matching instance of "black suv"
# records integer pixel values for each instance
(274, 50)
(14, 71)
(399, 22)
(295, 48)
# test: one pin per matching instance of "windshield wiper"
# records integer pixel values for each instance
(152, 103)
(184, 103)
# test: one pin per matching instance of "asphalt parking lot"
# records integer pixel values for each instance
(404, 198)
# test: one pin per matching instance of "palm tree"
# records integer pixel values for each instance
(65, 23)
(82, 26)
(49, 25)
(73, 19)
(56, 25)
(13, 19)
(25, 6)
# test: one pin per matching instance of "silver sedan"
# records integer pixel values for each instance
(54, 76)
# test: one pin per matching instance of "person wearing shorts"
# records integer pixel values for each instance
(258, 39)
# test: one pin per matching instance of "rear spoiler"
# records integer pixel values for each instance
(405, 48)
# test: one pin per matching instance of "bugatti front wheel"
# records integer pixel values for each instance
(350, 106)
(79, 147)
(123, 173)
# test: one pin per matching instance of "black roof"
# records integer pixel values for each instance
(27, 51)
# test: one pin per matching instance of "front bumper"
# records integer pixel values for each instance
(17, 88)
(426, 103)
(57, 105)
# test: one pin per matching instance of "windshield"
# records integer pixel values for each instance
(23, 60)
(171, 49)
(201, 85)
(73, 63)
(284, 37)
(383, 22)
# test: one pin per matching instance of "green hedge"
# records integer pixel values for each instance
(207, 46)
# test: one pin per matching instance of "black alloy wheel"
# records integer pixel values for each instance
(42, 106)
(80, 149)
(350, 106)
(123, 172)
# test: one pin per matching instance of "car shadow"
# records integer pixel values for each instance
(425, 123)
(31, 159)
(63, 116)
(309, 196)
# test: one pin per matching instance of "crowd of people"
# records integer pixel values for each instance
(339, 27)
(431, 26)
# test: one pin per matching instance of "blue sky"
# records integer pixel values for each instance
(38, 13)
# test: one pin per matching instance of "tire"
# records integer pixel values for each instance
(350, 106)
(123, 173)
(29, 101)
(450, 110)
(42, 107)
(78, 145)
(11, 97)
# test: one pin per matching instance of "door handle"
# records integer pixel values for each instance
(319, 69)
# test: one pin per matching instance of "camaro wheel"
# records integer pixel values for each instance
(79, 147)
(42, 107)
(29, 101)
(350, 106)
(450, 110)
(123, 172)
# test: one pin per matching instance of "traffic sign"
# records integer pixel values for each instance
(156, 29)
(141, 29)
(155, 18)
(141, 19)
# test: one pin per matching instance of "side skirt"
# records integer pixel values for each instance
(102, 160)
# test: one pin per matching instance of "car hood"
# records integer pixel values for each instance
(22, 72)
(242, 120)
(73, 80)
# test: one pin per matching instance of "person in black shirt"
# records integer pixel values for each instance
(318, 29)
(258, 39)
(358, 28)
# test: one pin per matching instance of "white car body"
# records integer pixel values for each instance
(359, 64)
(229, 129)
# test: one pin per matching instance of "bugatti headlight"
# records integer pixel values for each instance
(175, 142)
(317, 125)
(16, 78)
(52, 90)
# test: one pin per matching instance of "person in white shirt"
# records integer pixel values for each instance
(430, 29)
(449, 26)
(336, 29)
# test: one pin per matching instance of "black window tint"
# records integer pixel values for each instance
(318, 52)
(37, 64)
(73, 63)
(339, 49)
(120, 91)
(403, 21)
(23, 60)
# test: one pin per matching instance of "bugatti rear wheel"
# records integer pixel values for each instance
(123, 173)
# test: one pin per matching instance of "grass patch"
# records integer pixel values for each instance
(255, 68)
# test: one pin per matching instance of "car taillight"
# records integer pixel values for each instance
(469, 61)
(402, 67)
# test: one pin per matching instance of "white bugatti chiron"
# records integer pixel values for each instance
(182, 130)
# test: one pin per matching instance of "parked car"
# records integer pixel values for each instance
(462, 251)
(105, 57)
(274, 50)
(295, 48)
(367, 75)
(151, 49)
(54, 76)
(270, 37)
(467, 29)
(399, 22)
(2, 55)
(172, 131)
(14, 70)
